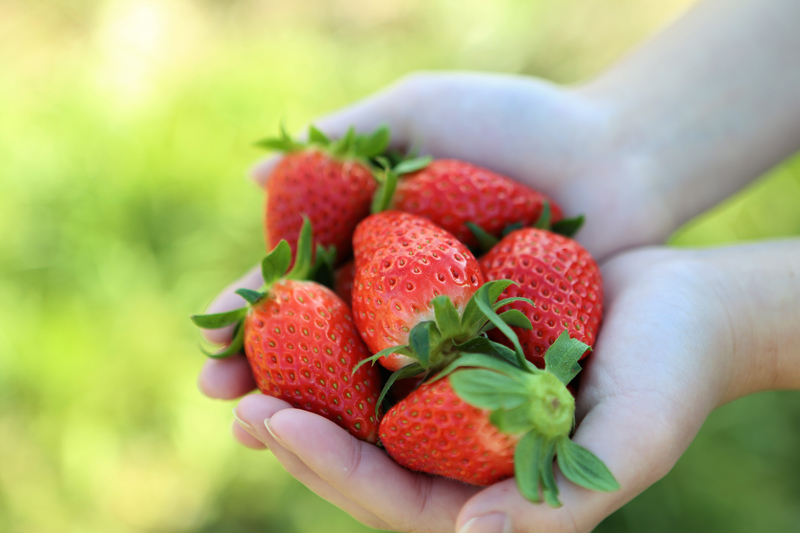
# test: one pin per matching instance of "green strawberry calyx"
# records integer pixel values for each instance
(351, 146)
(534, 405)
(434, 344)
(567, 227)
(274, 268)
(393, 168)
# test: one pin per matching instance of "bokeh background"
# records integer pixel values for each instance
(125, 135)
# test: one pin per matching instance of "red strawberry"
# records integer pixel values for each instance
(435, 431)
(483, 420)
(451, 193)
(404, 262)
(343, 281)
(559, 276)
(302, 344)
(330, 182)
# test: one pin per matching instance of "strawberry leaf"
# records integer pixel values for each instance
(405, 372)
(513, 421)
(506, 301)
(219, 320)
(512, 227)
(486, 389)
(447, 318)
(317, 137)
(276, 262)
(419, 341)
(252, 297)
(403, 349)
(533, 468)
(516, 319)
(562, 357)
(483, 304)
(235, 347)
(372, 145)
(412, 165)
(344, 145)
(302, 259)
(544, 218)
(481, 361)
(486, 241)
(383, 196)
(323, 269)
(568, 227)
(583, 468)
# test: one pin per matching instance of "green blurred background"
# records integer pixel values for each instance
(125, 135)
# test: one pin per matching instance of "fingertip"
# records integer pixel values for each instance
(226, 379)
(261, 171)
(246, 439)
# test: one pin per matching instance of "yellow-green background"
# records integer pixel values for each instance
(125, 134)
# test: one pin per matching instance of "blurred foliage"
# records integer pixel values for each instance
(125, 134)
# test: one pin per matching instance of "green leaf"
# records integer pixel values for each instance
(344, 145)
(516, 319)
(251, 296)
(372, 145)
(487, 389)
(419, 340)
(408, 166)
(481, 361)
(512, 227)
(275, 144)
(507, 353)
(482, 345)
(274, 266)
(386, 351)
(495, 288)
(323, 271)
(219, 320)
(562, 357)
(383, 196)
(302, 259)
(583, 468)
(317, 137)
(446, 316)
(505, 301)
(486, 240)
(568, 227)
(235, 347)
(513, 421)
(405, 372)
(544, 218)
(485, 307)
(527, 465)
(549, 487)
(473, 319)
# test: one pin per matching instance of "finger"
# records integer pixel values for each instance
(252, 412)
(638, 438)
(229, 300)
(226, 379)
(407, 501)
(383, 108)
(245, 438)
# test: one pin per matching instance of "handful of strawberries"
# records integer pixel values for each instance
(478, 353)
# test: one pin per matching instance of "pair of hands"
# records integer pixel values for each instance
(662, 361)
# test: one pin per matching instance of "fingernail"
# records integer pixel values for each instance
(274, 436)
(488, 523)
(245, 426)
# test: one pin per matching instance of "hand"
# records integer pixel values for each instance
(665, 358)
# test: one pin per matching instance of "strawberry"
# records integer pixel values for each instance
(559, 276)
(330, 182)
(453, 193)
(302, 344)
(403, 263)
(482, 420)
(343, 281)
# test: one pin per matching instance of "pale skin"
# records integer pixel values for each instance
(683, 122)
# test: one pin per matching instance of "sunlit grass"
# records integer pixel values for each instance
(125, 136)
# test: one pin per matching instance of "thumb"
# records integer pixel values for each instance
(639, 436)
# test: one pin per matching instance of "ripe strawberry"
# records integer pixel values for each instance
(302, 345)
(559, 276)
(343, 281)
(330, 182)
(403, 263)
(482, 420)
(452, 193)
